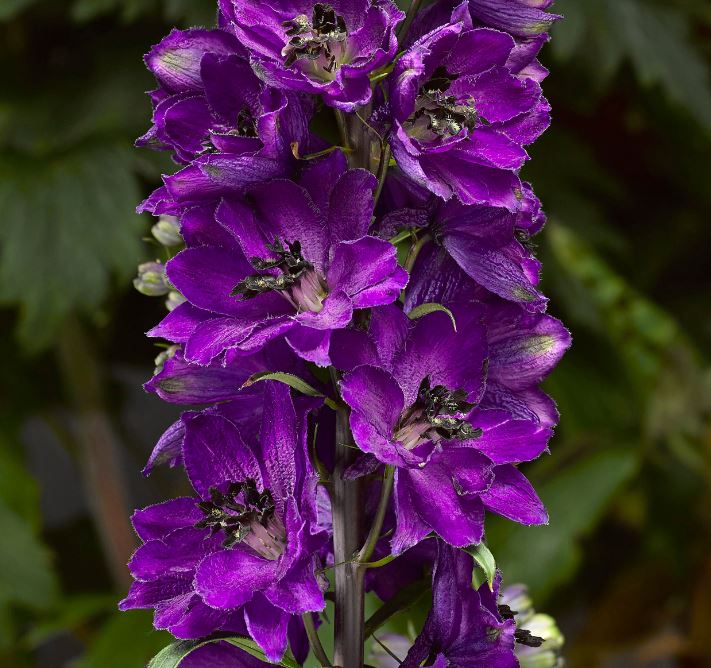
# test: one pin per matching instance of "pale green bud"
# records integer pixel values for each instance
(167, 231)
(151, 280)
(174, 300)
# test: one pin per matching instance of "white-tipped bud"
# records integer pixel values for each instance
(167, 231)
(174, 300)
(151, 280)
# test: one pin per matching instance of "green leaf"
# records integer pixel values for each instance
(292, 381)
(658, 43)
(10, 8)
(576, 499)
(431, 307)
(173, 654)
(126, 640)
(404, 599)
(68, 229)
(485, 560)
(26, 574)
(400, 236)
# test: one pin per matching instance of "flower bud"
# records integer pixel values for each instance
(151, 280)
(167, 231)
(174, 300)
(163, 357)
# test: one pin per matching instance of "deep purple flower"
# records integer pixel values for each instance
(464, 627)
(488, 243)
(209, 100)
(412, 388)
(524, 347)
(327, 49)
(463, 106)
(244, 550)
(299, 263)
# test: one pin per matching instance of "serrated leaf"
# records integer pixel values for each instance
(68, 227)
(485, 560)
(126, 639)
(26, 574)
(658, 43)
(431, 307)
(299, 384)
(592, 483)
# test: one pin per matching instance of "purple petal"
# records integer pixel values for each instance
(512, 496)
(268, 626)
(169, 448)
(279, 439)
(175, 61)
(367, 271)
(298, 591)
(155, 522)
(215, 453)
(230, 578)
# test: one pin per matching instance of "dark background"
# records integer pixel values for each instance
(625, 564)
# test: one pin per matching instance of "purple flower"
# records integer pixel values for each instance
(244, 550)
(299, 262)
(464, 627)
(327, 49)
(209, 100)
(524, 347)
(463, 106)
(488, 243)
(412, 388)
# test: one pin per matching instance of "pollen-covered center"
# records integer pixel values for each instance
(438, 115)
(318, 44)
(290, 274)
(245, 515)
(437, 414)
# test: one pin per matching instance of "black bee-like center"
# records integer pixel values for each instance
(236, 510)
(315, 38)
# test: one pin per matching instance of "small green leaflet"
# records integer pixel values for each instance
(400, 236)
(431, 307)
(486, 562)
(292, 381)
(173, 654)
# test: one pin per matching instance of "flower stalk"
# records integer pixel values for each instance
(285, 283)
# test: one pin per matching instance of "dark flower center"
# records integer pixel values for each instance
(297, 280)
(245, 515)
(440, 114)
(319, 40)
(437, 414)
(525, 637)
(246, 125)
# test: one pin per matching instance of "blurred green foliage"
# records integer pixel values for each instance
(624, 175)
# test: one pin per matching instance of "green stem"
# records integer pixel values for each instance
(371, 541)
(382, 172)
(315, 641)
(405, 27)
(415, 251)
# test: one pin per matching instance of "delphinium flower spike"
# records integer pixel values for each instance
(355, 327)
